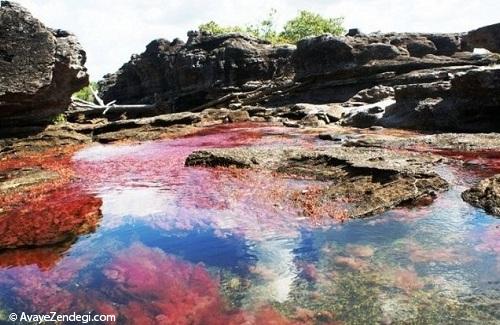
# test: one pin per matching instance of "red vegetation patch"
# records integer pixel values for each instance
(57, 160)
(487, 159)
(39, 218)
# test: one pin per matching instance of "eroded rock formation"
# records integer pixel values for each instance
(399, 80)
(40, 68)
(486, 195)
(190, 74)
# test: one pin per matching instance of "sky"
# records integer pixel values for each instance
(112, 30)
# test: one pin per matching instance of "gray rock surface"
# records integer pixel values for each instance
(40, 68)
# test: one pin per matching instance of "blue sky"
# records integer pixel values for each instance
(112, 30)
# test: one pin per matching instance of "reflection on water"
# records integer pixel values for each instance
(189, 245)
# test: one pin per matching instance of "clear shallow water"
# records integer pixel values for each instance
(188, 245)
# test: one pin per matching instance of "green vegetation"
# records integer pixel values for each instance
(59, 118)
(85, 93)
(303, 25)
(311, 24)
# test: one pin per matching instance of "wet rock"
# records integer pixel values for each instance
(330, 137)
(487, 37)
(238, 116)
(40, 68)
(17, 179)
(485, 195)
(191, 74)
(368, 180)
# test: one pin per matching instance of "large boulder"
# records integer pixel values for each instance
(487, 37)
(40, 68)
(205, 68)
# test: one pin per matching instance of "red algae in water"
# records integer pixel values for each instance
(166, 290)
(489, 160)
(50, 217)
(39, 290)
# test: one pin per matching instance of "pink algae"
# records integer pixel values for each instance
(167, 290)
(407, 280)
(175, 292)
(490, 240)
(419, 254)
(145, 286)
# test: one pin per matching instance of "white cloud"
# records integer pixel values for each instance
(112, 30)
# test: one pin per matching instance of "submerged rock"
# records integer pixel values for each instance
(40, 68)
(366, 181)
(485, 195)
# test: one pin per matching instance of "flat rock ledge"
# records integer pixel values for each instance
(485, 195)
(371, 180)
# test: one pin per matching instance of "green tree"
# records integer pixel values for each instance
(310, 24)
(85, 93)
(304, 25)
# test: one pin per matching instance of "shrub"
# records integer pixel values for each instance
(310, 24)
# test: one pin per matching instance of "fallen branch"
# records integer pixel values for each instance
(80, 106)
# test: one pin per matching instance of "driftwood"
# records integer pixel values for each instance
(258, 95)
(80, 106)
